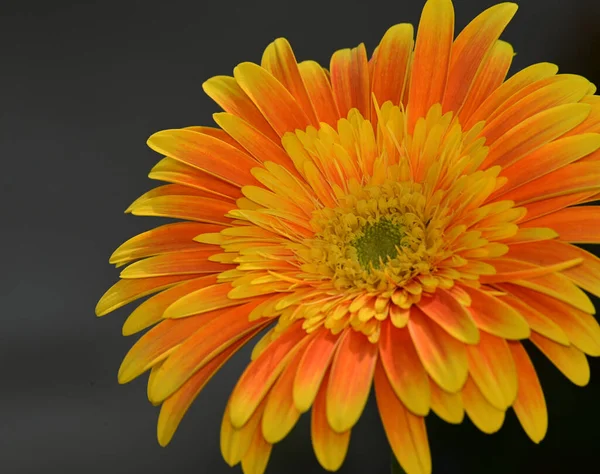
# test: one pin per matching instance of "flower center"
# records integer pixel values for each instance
(377, 239)
(380, 242)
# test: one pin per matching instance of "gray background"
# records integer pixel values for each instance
(82, 85)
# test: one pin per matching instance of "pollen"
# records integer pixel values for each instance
(379, 243)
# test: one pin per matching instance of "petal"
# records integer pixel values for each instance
(450, 315)
(444, 358)
(580, 327)
(448, 406)
(586, 275)
(405, 432)
(493, 370)
(201, 347)
(312, 368)
(391, 65)
(163, 239)
(189, 262)
(494, 316)
(490, 76)
(330, 447)
(236, 442)
(273, 100)
(261, 147)
(518, 82)
(574, 224)
(470, 49)
(403, 368)
(534, 132)
(350, 80)
(548, 206)
(281, 414)
(483, 415)
(431, 58)
(261, 374)
(152, 310)
(569, 360)
(530, 405)
(158, 343)
(205, 153)
(125, 291)
(226, 92)
(350, 380)
(174, 407)
(280, 61)
(200, 301)
(173, 171)
(193, 208)
(256, 458)
(320, 92)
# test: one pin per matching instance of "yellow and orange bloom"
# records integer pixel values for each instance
(403, 221)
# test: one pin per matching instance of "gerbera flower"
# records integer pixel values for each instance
(405, 221)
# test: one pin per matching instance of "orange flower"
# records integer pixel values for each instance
(406, 219)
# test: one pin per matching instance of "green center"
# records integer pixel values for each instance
(378, 242)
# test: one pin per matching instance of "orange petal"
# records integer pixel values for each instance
(493, 370)
(470, 49)
(173, 171)
(174, 407)
(350, 380)
(278, 58)
(273, 100)
(569, 360)
(494, 316)
(580, 327)
(390, 66)
(202, 300)
(403, 368)
(530, 405)
(236, 442)
(444, 357)
(330, 447)
(205, 153)
(445, 310)
(431, 58)
(534, 132)
(201, 347)
(405, 432)
(178, 263)
(537, 321)
(152, 310)
(586, 275)
(319, 91)
(548, 206)
(164, 239)
(193, 208)
(350, 80)
(515, 84)
(226, 92)
(574, 224)
(172, 190)
(558, 90)
(574, 178)
(158, 343)
(448, 406)
(281, 414)
(509, 270)
(548, 158)
(125, 291)
(261, 147)
(483, 415)
(490, 76)
(260, 375)
(256, 458)
(312, 368)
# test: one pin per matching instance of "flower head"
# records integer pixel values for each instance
(405, 220)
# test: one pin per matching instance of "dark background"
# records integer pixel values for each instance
(82, 85)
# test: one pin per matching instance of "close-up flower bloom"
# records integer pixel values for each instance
(403, 222)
